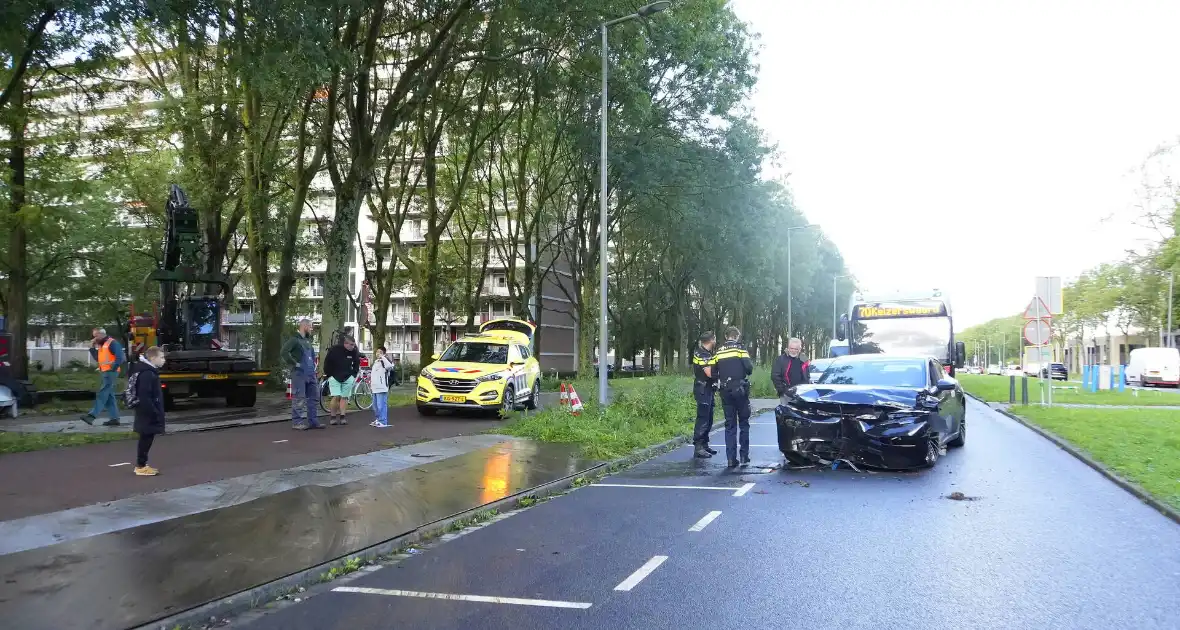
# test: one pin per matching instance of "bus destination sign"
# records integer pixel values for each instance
(892, 310)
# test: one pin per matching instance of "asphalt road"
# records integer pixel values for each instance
(1043, 542)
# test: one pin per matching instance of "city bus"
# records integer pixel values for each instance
(903, 324)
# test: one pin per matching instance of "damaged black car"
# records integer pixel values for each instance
(873, 410)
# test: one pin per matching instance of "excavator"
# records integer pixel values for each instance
(186, 321)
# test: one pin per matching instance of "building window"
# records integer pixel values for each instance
(315, 286)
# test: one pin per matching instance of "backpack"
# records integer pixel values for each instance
(130, 397)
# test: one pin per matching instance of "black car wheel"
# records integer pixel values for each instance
(931, 452)
(535, 396)
(961, 438)
(509, 403)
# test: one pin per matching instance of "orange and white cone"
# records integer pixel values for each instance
(288, 389)
(565, 395)
(575, 402)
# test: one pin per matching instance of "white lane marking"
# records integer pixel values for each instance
(635, 578)
(639, 485)
(119, 464)
(704, 522)
(455, 597)
(743, 490)
(279, 441)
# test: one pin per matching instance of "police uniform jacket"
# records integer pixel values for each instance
(732, 364)
(701, 359)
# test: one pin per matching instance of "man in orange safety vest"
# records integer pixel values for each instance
(109, 355)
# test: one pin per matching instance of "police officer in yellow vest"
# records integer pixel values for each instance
(732, 367)
(109, 355)
(704, 388)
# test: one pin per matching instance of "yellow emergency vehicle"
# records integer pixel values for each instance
(492, 370)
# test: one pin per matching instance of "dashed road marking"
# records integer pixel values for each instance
(704, 522)
(635, 578)
(743, 490)
(279, 441)
(485, 599)
(119, 464)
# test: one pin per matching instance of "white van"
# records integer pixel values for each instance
(1154, 366)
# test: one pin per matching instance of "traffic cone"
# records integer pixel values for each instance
(288, 389)
(575, 402)
(565, 396)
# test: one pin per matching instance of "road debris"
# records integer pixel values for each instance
(423, 455)
(798, 482)
(959, 496)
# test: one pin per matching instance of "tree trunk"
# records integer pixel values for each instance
(427, 300)
(338, 255)
(18, 268)
(587, 331)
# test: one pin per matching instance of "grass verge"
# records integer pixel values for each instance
(643, 413)
(1141, 445)
(25, 442)
(995, 389)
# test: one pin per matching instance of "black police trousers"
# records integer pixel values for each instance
(703, 393)
(737, 414)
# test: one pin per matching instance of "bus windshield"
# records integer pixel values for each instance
(913, 336)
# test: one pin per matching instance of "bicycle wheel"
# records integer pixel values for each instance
(325, 393)
(362, 395)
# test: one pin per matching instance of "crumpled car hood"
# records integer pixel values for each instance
(893, 397)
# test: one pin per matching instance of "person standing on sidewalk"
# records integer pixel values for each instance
(145, 396)
(342, 365)
(108, 353)
(703, 389)
(380, 374)
(298, 356)
(790, 368)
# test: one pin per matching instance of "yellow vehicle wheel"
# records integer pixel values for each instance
(507, 402)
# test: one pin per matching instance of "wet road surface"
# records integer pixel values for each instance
(46, 481)
(137, 575)
(1041, 541)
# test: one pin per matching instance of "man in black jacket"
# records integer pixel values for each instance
(342, 365)
(144, 376)
(732, 367)
(790, 368)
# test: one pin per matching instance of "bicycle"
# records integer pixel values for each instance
(362, 392)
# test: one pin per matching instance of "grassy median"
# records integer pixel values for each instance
(995, 389)
(1141, 445)
(644, 412)
(24, 442)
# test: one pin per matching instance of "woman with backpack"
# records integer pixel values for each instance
(145, 397)
(380, 382)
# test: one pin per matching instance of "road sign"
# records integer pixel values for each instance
(1037, 311)
(1049, 290)
(1037, 332)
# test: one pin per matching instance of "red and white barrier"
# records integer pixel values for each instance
(288, 389)
(575, 402)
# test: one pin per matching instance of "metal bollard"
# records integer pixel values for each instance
(1011, 389)
(1024, 390)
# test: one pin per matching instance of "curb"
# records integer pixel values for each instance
(1063, 444)
(213, 613)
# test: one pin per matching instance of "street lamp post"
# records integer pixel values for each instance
(603, 193)
(834, 280)
(1171, 342)
(790, 310)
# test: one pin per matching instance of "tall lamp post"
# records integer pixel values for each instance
(790, 309)
(834, 281)
(603, 193)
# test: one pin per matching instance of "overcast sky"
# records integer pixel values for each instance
(968, 146)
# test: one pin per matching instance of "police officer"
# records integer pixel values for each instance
(732, 368)
(702, 390)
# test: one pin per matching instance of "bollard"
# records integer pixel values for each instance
(1023, 390)
(1011, 390)
(1122, 378)
(1085, 377)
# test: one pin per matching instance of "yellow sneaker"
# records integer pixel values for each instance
(146, 471)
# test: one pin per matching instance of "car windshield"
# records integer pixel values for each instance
(882, 373)
(470, 352)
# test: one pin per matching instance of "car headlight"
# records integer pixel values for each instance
(904, 417)
(425, 373)
(490, 377)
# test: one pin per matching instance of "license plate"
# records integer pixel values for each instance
(1154, 373)
(454, 399)
(216, 377)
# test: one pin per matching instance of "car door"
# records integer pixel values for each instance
(946, 401)
(532, 368)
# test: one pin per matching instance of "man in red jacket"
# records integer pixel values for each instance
(790, 368)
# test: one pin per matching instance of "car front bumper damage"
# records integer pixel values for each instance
(875, 438)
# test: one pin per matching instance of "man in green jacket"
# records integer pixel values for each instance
(298, 355)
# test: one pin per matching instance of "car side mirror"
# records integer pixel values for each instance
(945, 385)
(842, 328)
(515, 364)
(960, 354)
(434, 357)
